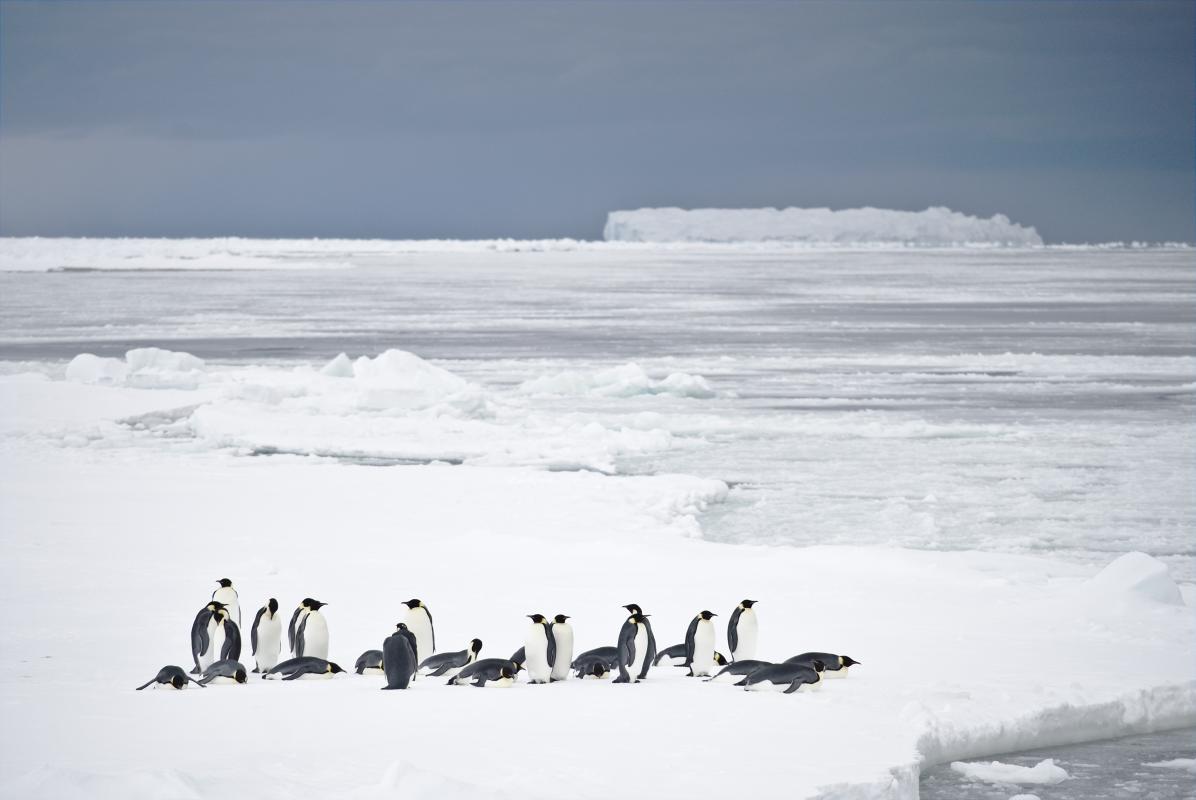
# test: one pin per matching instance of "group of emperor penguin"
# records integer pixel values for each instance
(546, 655)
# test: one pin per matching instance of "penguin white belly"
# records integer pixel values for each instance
(768, 686)
(228, 596)
(835, 674)
(501, 683)
(563, 634)
(215, 643)
(746, 630)
(535, 649)
(315, 636)
(641, 652)
(806, 688)
(420, 624)
(703, 664)
(269, 643)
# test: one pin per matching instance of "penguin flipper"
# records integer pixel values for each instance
(204, 681)
(299, 638)
(443, 668)
(294, 676)
(651, 652)
(479, 683)
(691, 634)
(793, 687)
(232, 641)
(147, 683)
(733, 631)
(743, 682)
(253, 631)
(551, 645)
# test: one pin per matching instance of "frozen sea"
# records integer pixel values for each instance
(1029, 401)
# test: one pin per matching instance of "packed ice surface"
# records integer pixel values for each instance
(1186, 764)
(936, 226)
(1044, 773)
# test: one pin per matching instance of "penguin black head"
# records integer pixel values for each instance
(599, 670)
(334, 668)
(475, 646)
(505, 672)
(225, 582)
(560, 618)
(307, 602)
(632, 608)
(402, 626)
(240, 676)
(537, 619)
(414, 602)
(749, 603)
(518, 665)
(720, 659)
(178, 681)
(818, 666)
(707, 615)
(314, 605)
(273, 606)
(218, 605)
(848, 661)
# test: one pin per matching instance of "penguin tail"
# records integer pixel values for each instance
(204, 681)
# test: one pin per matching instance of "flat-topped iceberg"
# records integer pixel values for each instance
(934, 227)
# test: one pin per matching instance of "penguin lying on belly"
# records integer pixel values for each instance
(596, 663)
(787, 678)
(450, 663)
(304, 667)
(739, 669)
(676, 656)
(369, 662)
(225, 671)
(836, 665)
(171, 675)
(493, 671)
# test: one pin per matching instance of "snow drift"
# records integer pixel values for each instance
(934, 227)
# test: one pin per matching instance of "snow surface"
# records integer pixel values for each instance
(936, 226)
(1186, 764)
(963, 654)
(1044, 773)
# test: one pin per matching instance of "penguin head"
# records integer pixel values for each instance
(537, 619)
(475, 646)
(818, 666)
(314, 605)
(847, 661)
(706, 615)
(178, 681)
(599, 670)
(307, 603)
(505, 672)
(560, 618)
(414, 603)
(632, 608)
(334, 668)
(720, 659)
(402, 626)
(273, 606)
(518, 665)
(240, 676)
(748, 603)
(225, 583)
(637, 618)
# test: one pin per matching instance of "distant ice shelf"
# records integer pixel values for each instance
(934, 227)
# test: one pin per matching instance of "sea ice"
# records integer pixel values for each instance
(1044, 773)
(1186, 764)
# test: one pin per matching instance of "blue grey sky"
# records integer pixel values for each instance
(469, 120)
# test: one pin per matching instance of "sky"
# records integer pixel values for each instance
(533, 120)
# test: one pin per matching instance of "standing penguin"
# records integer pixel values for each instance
(536, 649)
(266, 636)
(230, 648)
(699, 645)
(419, 622)
(208, 635)
(226, 594)
(311, 637)
(634, 649)
(741, 631)
(562, 636)
(632, 608)
(398, 658)
(300, 612)
(200, 635)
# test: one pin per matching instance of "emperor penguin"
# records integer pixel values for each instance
(306, 667)
(231, 646)
(494, 671)
(632, 608)
(562, 636)
(171, 675)
(836, 666)
(597, 663)
(369, 662)
(266, 637)
(787, 678)
(676, 656)
(419, 622)
(739, 669)
(742, 630)
(225, 593)
(398, 658)
(450, 663)
(227, 670)
(699, 645)
(209, 636)
(634, 650)
(300, 612)
(536, 647)
(311, 637)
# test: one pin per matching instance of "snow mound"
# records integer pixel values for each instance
(1186, 764)
(339, 367)
(936, 226)
(626, 380)
(1137, 575)
(1044, 773)
(143, 367)
(403, 380)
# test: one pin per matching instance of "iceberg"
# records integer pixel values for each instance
(935, 227)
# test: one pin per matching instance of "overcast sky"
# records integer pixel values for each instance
(534, 120)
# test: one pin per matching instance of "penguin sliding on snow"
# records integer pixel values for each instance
(225, 593)
(370, 661)
(676, 656)
(171, 675)
(493, 671)
(596, 663)
(419, 622)
(226, 671)
(303, 667)
(739, 669)
(742, 630)
(266, 637)
(539, 650)
(398, 658)
(699, 645)
(311, 635)
(450, 663)
(562, 655)
(788, 678)
(836, 665)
